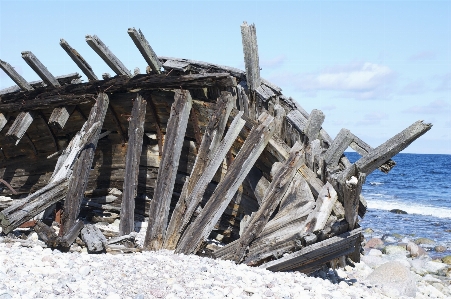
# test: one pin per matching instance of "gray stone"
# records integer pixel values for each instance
(424, 241)
(440, 248)
(435, 267)
(393, 276)
(395, 249)
(415, 250)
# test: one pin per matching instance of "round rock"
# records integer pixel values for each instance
(394, 277)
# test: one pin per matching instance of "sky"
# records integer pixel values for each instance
(373, 67)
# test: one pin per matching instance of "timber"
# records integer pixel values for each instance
(225, 157)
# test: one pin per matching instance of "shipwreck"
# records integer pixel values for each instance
(200, 151)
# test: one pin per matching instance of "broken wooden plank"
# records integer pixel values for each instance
(265, 93)
(314, 256)
(243, 100)
(3, 120)
(363, 148)
(273, 196)
(258, 183)
(134, 148)
(250, 50)
(110, 59)
(20, 126)
(79, 60)
(159, 206)
(314, 123)
(337, 148)
(60, 115)
(375, 158)
(14, 75)
(146, 50)
(94, 239)
(71, 235)
(40, 69)
(324, 205)
(209, 145)
(351, 183)
(198, 230)
(176, 65)
(80, 174)
(47, 234)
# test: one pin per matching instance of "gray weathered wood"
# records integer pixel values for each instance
(363, 148)
(18, 79)
(134, 148)
(94, 239)
(110, 59)
(273, 196)
(210, 143)
(60, 115)
(198, 230)
(337, 148)
(82, 167)
(40, 69)
(47, 234)
(265, 93)
(71, 235)
(159, 206)
(20, 126)
(79, 60)
(146, 50)
(314, 123)
(391, 147)
(258, 183)
(351, 184)
(3, 120)
(176, 65)
(314, 256)
(250, 50)
(279, 117)
(243, 100)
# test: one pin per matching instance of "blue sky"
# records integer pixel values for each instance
(373, 67)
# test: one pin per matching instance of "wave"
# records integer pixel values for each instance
(411, 208)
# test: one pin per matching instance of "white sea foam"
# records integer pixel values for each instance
(411, 208)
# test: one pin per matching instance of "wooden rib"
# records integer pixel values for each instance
(134, 149)
(351, 184)
(391, 147)
(20, 126)
(196, 195)
(250, 50)
(159, 206)
(18, 79)
(337, 148)
(153, 111)
(3, 120)
(80, 174)
(110, 59)
(79, 60)
(363, 148)
(210, 143)
(120, 130)
(35, 150)
(258, 183)
(46, 124)
(195, 123)
(146, 50)
(314, 123)
(273, 196)
(198, 230)
(40, 69)
(59, 116)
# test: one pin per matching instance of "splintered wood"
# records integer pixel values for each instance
(212, 153)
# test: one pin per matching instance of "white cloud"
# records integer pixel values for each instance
(435, 107)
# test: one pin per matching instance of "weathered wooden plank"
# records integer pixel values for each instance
(363, 148)
(176, 65)
(351, 184)
(209, 145)
(279, 117)
(250, 50)
(391, 147)
(40, 69)
(82, 167)
(83, 93)
(273, 196)
(312, 257)
(134, 148)
(159, 206)
(110, 59)
(146, 50)
(20, 126)
(337, 148)
(198, 230)
(243, 100)
(60, 115)
(71, 235)
(94, 239)
(18, 79)
(79, 60)
(314, 123)
(259, 184)
(265, 93)
(3, 120)
(47, 234)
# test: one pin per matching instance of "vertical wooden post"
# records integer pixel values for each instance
(134, 148)
(250, 49)
(175, 134)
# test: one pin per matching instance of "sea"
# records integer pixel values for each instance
(419, 184)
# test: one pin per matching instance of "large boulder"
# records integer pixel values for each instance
(395, 249)
(415, 250)
(374, 243)
(394, 279)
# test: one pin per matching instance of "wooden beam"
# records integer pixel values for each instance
(18, 79)
(351, 183)
(20, 126)
(199, 230)
(134, 149)
(273, 196)
(3, 120)
(159, 206)
(85, 92)
(324, 205)
(375, 158)
(363, 148)
(79, 60)
(337, 148)
(80, 174)
(110, 59)
(314, 123)
(258, 183)
(146, 50)
(60, 115)
(311, 258)
(40, 69)
(250, 50)
(209, 145)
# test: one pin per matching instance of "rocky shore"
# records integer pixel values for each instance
(400, 269)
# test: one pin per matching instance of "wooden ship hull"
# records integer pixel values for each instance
(200, 151)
